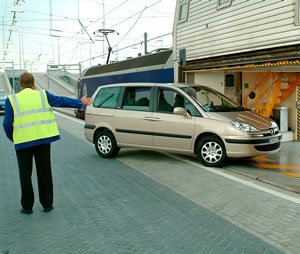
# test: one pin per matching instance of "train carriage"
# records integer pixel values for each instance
(156, 67)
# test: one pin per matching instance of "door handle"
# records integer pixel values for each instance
(148, 118)
(151, 118)
(156, 119)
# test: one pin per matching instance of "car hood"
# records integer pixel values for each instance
(250, 117)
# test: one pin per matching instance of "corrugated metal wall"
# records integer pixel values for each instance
(246, 25)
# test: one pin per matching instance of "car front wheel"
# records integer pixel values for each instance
(106, 145)
(211, 151)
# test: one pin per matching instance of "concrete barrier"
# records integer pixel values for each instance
(10, 90)
(61, 83)
(6, 83)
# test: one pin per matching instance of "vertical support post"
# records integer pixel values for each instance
(50, 21)
(103, 25)
(298, 112)
(20, 52)
(3, 43)
(181, 74)
(78, 87)
(13, 71)
(90, 53)
(145, 44)
(50, 28)
(22, 41)
(48, 76)
(58, 53)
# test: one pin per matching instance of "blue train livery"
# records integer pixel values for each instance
(157, 67)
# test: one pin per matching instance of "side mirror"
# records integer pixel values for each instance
(181, 111)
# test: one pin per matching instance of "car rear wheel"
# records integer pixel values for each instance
(211, 151)
(106, 145)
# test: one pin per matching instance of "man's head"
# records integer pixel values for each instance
(27, 80)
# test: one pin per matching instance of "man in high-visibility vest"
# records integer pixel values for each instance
(30, 123)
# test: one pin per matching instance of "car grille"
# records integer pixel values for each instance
(269, 134)
(266, 148)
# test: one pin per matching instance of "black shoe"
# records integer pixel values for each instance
(26, 211)
(48, 209)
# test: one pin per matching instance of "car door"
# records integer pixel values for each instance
(132, 123)
(171, 130)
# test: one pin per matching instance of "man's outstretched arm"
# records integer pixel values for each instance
(66, 102)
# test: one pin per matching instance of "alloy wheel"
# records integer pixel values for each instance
(104, 144)
(211, 152)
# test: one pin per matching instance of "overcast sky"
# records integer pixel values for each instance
(30, 40)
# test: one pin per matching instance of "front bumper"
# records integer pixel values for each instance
(250, 147)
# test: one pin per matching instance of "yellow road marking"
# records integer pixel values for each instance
(291, 174)
(262, 165)
(261, 158)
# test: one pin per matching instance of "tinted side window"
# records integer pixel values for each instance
(107, 97)
(166, 100)
(191, 108)
(169, 99)
(137, 98)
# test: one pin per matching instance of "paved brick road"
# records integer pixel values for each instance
(105, 206)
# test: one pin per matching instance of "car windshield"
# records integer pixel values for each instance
(211, 100)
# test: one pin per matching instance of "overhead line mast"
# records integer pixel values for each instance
(103, 26)
(14, 20)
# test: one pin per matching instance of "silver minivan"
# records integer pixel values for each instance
(177, 118)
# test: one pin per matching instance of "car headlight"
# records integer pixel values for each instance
(275, 126)
(243, 126)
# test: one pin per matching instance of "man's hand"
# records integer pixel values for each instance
(86, 101)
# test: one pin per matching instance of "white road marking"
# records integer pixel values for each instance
(236, 179)
(71, 118)
(217, 172)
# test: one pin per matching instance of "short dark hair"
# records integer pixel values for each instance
(26, 79)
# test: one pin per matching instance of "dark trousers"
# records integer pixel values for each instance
(41, 155)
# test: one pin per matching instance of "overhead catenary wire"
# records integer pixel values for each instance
(115, 51)
(118, 50)
(47, 35)
(13, 21)
(117, 7)
(92, 20)
(38, 12)
(78, 44)
(66, 18)
(140, 12)
(127, 19)
(67, 37)
(131, 27)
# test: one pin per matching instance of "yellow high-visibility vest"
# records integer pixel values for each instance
(33, 116)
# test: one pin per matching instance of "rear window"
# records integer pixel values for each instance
(137, 98)
(107, 97)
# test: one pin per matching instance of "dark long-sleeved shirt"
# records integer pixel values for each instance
(54, 101)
